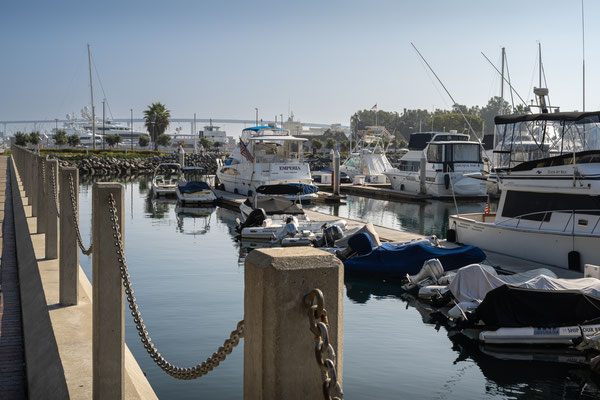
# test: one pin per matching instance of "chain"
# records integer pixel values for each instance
(319, 325)
(43, 175)
(176, 372)
(54, 190)
(85, 251)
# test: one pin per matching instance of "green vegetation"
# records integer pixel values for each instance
(144, 140)
(316, 145)
(157, 121)
(60, 137)
(79, 154)
(34, 138)
(21, 138)
(330, 143)
(74, 140)
(162, 140)
(216, 145)
(113, 139)
(205, 143)
(402, 125)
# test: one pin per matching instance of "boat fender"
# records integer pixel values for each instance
(447, 181)
(574, 261)
(451, 235)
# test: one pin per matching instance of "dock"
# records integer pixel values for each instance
(507, 263)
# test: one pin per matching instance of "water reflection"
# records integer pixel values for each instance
(198, 219)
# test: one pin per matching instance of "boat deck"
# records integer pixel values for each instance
(508, 263)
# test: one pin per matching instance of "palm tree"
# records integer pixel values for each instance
(157, 121)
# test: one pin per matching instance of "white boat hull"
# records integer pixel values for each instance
(545, 247)
(459, 186)
(201, 197)
(530, 335)
(159, 190)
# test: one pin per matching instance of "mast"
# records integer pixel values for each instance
(502, 83)
(92, 98)
(540, 62)
(583, 50)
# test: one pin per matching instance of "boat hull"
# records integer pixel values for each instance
(545, 247)
(436, 186)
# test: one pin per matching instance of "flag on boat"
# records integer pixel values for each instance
(374, 108)
(245, 152)
(487, 208)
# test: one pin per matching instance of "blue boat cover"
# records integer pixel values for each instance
(258, 128)
(192, 187)
(306, 189)
(396, 261)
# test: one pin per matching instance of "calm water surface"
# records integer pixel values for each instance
(188, 275)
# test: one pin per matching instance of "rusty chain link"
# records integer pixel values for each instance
(85, 251)
(54, 190)
(176, 372)
(324, 352)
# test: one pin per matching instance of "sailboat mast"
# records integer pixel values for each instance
(502, 84)
(540, 62)
(583, 50)
(92, 98)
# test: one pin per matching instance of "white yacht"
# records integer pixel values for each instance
(267, 155)
(368, 159)
(549, 208)
(448, 157)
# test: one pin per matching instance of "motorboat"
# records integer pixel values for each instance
(267, 155)
(368, 160)
(193, 189)
(549, 208)
(164, 181)
(440, 164)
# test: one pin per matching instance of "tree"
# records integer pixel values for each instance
(34, 138)
(143, 140)
(157, 121)
(113, 139)
(163, 140)
(60, 137)
(205, 143)
(216, 145)
(74, 140)
(330, 144)
(345, 145)
(316, 145)
(20, 139)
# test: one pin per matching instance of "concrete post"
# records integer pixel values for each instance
(41, 197)
(279, 348)
(181, 155)
(69, 252)
(108, 326)
(422, 174)
(34, 183)
(52, 232)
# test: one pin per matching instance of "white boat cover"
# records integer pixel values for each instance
(473, 282)
(376, 164)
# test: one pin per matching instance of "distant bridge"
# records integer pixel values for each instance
(176, 120)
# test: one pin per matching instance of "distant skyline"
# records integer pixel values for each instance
(322, 60)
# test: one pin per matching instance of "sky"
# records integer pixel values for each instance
(323, 60)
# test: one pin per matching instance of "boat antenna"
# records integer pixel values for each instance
(92, 98)
(583, 50)
(451, 98)
(506, 80)
(502, 82)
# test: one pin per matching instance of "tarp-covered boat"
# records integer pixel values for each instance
(398, 260)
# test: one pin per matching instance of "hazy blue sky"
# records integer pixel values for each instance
(328, 58)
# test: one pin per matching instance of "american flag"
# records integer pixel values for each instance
(245, 152)
(374, 108)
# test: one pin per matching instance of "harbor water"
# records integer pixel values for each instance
(187, 271)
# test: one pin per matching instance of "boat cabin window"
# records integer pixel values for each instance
(533, 206)
(353, 162)
(435, 153)
(274, 151)
(466, 153)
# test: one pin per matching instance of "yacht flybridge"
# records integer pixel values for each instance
(447, 158)
(368, 157)
(549, 208)
(267, 155)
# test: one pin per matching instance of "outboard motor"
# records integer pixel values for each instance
(255, 219)
(432, 269)
(330, 235)
(359, 244)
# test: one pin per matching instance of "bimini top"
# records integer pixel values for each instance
(258, 128)
(576, 117)
(193, 169)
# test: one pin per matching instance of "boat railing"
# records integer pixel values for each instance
(570, 222)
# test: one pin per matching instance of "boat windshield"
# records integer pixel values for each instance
(275, 151)
(529, 140)
(353, 162)
(466, 153)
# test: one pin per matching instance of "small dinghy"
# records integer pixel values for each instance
(394, 260)
(193, 189)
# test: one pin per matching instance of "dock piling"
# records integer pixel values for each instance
(108, 324)
(52, 231)
(279, 347)
(422, 174)
(69, 252)
(40, 187)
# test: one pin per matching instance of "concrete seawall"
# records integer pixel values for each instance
(58, 339)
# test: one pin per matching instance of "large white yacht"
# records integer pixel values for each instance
(549, 209)
(368, 158)
(448, 157)
(267, 155)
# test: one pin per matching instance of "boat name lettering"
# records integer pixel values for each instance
(545, 331)
(557, 172)
(289, 168)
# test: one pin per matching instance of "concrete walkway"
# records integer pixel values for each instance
(12, 356)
